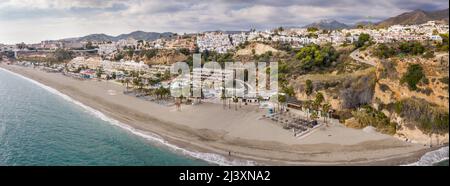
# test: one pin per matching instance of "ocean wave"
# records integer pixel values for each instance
(208, 157)
(430, 158)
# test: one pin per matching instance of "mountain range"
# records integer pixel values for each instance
(407, 18)
(138, 35)
(416, 17)
(328, 24)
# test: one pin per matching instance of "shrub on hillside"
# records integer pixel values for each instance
(426, 116)
(413, 76)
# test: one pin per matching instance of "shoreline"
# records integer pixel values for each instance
(213, 141)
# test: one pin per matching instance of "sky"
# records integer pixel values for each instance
(32, 21)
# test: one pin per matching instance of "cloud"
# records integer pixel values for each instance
(55, 19)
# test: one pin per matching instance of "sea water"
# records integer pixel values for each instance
(39, 128)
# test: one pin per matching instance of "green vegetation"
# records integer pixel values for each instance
(63, 55)
(413, 76)
(265, 57)
(217, 57)
(443, 46)
(118, 56)
(412, 48)
(99, 72)
(383, 51)
(312, 29)
(316, 56)
(364, 40)
(428, 117)
(444, 80)
(89, 45)
(284, 46)
(368, 116)
(309, 87)
(150, 53)
(428, 54)
(185, 51)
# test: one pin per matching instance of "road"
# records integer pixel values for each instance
(355, 55)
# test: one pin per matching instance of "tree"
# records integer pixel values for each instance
(136, 82)
(309, 87)
(384, 51)
(126, 81)
(307, 105)
(99, 72)
(443, 46)
(289, 91)
(184, 51)
(312, 29)
(326, 109)
(314, 115)
(413, 48)
(223, 97)
(363, 39)
(282, 100)
(316, 56)
(319, 98)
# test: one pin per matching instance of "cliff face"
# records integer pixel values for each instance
(432, 96)
(415, 114)
(166, 57)
(342, 91)
(389, 89)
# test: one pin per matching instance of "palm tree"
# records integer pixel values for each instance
(308, 107)
(326, 108)
(260, 98)
(240, 102)
(126, 81)
(281, 100)
(181, 98)
(319, 98)
(223, 98)
(99, 73)
(314, 115)
(235, 100)
(157, 93)
(135, 83)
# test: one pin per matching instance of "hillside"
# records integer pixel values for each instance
(257, 48)
(416, 17)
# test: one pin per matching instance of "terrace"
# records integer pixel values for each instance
(294, 122)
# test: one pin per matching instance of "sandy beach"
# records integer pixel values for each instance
(211, 128)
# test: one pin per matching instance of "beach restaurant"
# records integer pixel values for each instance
(87, 74)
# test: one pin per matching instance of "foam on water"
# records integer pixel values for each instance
(430, 158)
(208, 157)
